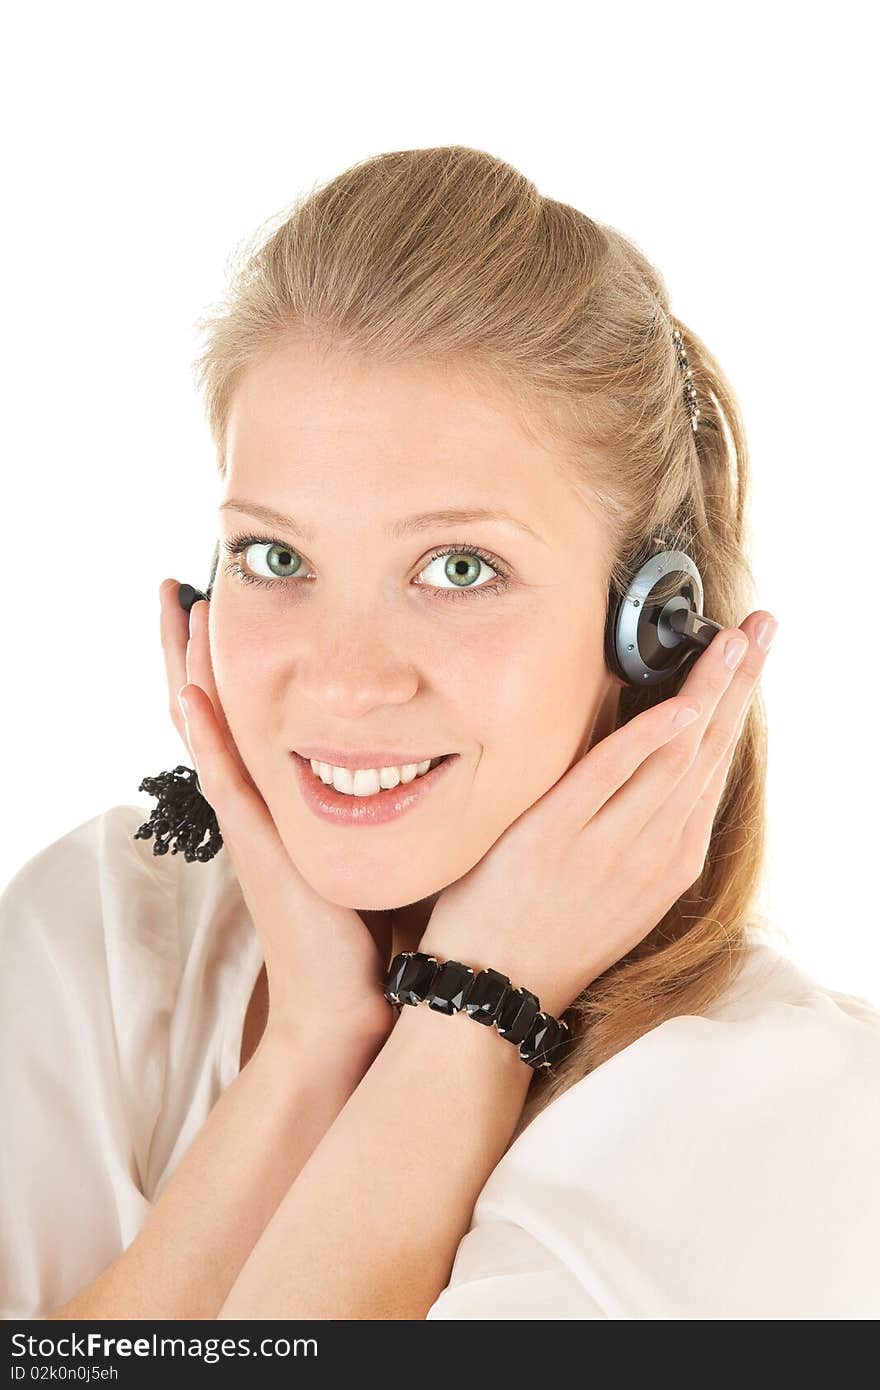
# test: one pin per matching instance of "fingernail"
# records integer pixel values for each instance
(685, 716)
(766, 633)
(181, 700)
(735, 651)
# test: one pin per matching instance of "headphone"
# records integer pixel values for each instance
(658, 624)
(650, 631)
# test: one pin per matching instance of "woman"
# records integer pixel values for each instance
(431, 380)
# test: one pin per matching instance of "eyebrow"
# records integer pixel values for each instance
(404, 526)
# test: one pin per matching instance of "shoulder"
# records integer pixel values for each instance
(71, 871)
(723, 1165)
(119, 967)
(778, 1055)
(90, 939)
(776, 1035)
(99, 940)
(98, 886)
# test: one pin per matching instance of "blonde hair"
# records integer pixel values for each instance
(450, 256)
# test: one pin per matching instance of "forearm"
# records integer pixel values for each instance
(370, 1228)
(213, 1210)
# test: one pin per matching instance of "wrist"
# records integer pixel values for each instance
(458, 984)
(464, 1043)
(486, 957)
(347, 1036)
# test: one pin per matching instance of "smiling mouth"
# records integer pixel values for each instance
(368, 782)
(369, 805)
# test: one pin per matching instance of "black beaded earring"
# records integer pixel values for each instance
(183, 816)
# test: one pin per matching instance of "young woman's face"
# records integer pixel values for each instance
(359, 640)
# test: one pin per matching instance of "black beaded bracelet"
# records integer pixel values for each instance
(487, 996)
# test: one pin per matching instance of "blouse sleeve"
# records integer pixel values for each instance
(503, 1272)
(714, 1169)
(88, 968)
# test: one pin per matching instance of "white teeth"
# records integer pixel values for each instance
(367, 781)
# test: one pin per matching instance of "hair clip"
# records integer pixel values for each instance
(690, 391)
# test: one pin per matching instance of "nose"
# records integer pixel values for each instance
(350, 667)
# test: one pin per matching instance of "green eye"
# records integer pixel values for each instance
(462, 568)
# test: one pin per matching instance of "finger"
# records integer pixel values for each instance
(663, 838)
(609, 765)
(646, 797)
(200, 670)
(625, 779)
(725, 725)
(698, 827)
(697, 833)
(174, 635)
(247, 828)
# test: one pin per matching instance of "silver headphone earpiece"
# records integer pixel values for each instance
(654, 627)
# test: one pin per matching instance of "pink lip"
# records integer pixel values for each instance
(385, 805)
(353, 761)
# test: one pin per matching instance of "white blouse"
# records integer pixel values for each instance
(725, 1166)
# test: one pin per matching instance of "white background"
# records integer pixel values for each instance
(736, 145)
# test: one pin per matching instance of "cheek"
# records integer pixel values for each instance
(249, 680)
(537, 691)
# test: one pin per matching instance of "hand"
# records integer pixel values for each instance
(318, 956)
(585, 873)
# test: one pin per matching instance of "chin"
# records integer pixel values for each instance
(379, 888)
(372, 869)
